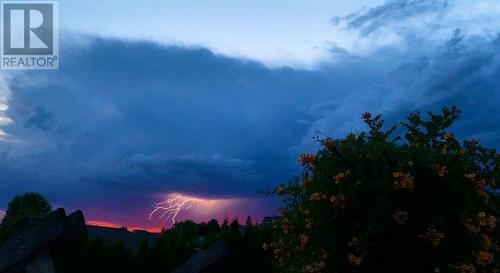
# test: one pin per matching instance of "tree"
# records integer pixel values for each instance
(372, 203)
(20, 207)
(249, 222)
(213, 225)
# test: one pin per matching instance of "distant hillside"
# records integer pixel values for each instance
(131, 239)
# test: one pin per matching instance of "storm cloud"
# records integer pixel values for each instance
(123, 121)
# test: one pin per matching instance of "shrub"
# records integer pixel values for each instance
(373, 203)
(20, 207)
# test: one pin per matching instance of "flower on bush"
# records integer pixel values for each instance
(305, 182)
(484, 258)
(339, 177)
(353, 259)
(433, 236)
(403, 181)
(465, 268)
(488, 221)
(307, 160)
(339, 200)
(471, 228)
(304, 240)
(486, 242)
(440, 170)
(401, 216)
(280, 190)
(317, 196)
(447, 135)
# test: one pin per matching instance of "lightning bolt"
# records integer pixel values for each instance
(170, 208)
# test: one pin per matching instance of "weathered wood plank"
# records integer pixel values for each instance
(32, 236)
(204, 259)
(40, 263)
(75, 223)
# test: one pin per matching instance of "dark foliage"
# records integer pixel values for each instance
(20, 207)
(372, 203)
(176, 246)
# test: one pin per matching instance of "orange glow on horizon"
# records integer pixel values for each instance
(114, 225)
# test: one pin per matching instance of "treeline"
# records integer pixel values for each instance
(175, 247)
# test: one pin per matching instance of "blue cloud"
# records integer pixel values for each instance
(40, 119)
(124, 120)
(372, 19)
(121, 116)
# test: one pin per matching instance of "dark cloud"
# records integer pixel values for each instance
(463, 71)
(121, 117)
(122, 121)
(370, 20)
(40, 119)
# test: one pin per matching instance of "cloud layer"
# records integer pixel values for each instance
(124, 122)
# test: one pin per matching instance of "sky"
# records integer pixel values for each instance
(215, 101)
